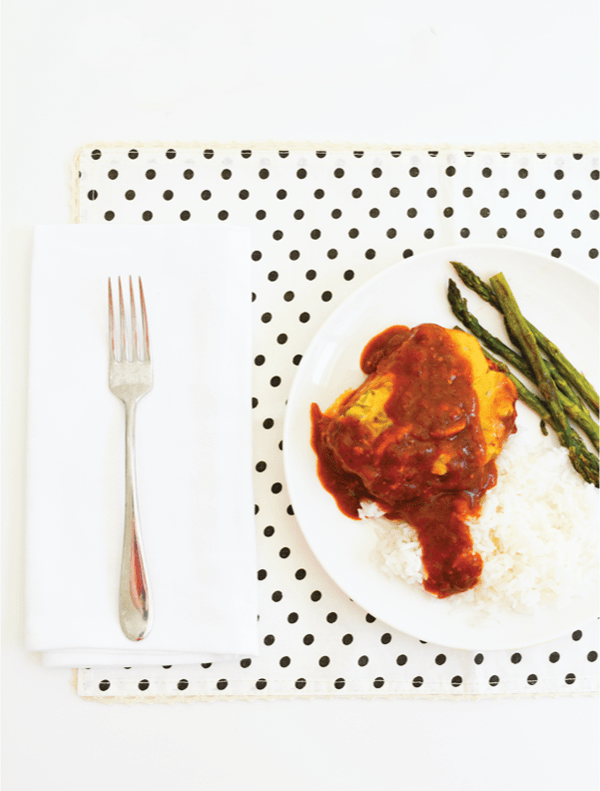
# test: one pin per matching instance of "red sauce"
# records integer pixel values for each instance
(434, 409)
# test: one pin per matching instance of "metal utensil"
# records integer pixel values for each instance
(130, 378)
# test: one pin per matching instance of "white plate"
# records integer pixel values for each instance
(558, 299)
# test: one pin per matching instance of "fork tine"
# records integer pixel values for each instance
(122, 324)
(111, 321)
(134, 353)
(145, 333)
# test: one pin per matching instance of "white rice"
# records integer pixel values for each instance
(535, 532)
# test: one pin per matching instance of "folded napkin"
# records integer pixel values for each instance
(194, 463)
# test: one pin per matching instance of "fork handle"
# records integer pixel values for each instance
(135, 611)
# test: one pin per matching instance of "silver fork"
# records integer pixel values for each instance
(130, 379)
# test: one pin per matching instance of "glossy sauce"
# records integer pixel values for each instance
(433, 409)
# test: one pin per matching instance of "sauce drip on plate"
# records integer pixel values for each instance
(419, 438)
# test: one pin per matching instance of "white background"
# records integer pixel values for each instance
(383, 71)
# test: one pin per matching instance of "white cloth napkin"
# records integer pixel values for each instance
(193, 447)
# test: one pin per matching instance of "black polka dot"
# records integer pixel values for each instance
(308, 639)
(96, 153)
(532, 679)
(315, 233)
(394, 192)
(428, 233)
(478, 659)
(464, 232)
(412, 212)
(523, 173)
(281, 194)
(293, 617)
(450, 170)
(275, 381)
(147, 216)
(297, 359)
(554, 657)
(109, 215)
(223, 215)
(521, 213)
(300, 574)
(188, 174)
(319, 194)
(263, 173)
(339, 173)
(386, 638)
(592, 656)
(347, 639)
(414, 172)
(401, 660)
(206, 194)
(268, 531)
(378, 682)
(516, 658)
(104, 685)
(260, 214)
(301, 173)
(324, 661)
(540, 194)
(448, 211)
(408, 253)
(261, 683)
(558, 174)
(300, 683)
(298, 214)
(575, 233)
(486, 173)
(353, 233)
(304, 317)
(285, 661)
(467, 192)
(183, 684)
(261, 574)
(370, 254)
(356, 192)
(374, 213)
(143, 684)
(501, 233)
(504, 193)
(456, 681)
(362, 660)
(576, 194)
(113, 174)
(277, 235)
(440, 659)
(558, 213)
(417, 681)
(331, 617)
(245, 662)
(276, 488)
(348, 274)
(326, 296)
(266, 318)
(243, 194)
(268, 423)
(593, 253)
(376, 173)
(269, 639)
(185, 215)
(391, 233)
(493, 681)
(259, 359)
(570, 678)
(594, 175)
(577, 635)
(294, 255)
(370, 618)
(339, 683)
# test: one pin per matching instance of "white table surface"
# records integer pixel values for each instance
(389, 71)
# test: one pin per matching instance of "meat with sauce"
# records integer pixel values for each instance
(419, 438)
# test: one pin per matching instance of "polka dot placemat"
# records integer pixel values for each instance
(323, 222)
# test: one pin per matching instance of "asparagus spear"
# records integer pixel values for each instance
(574, 409)
(571, 374)
(520, 329)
